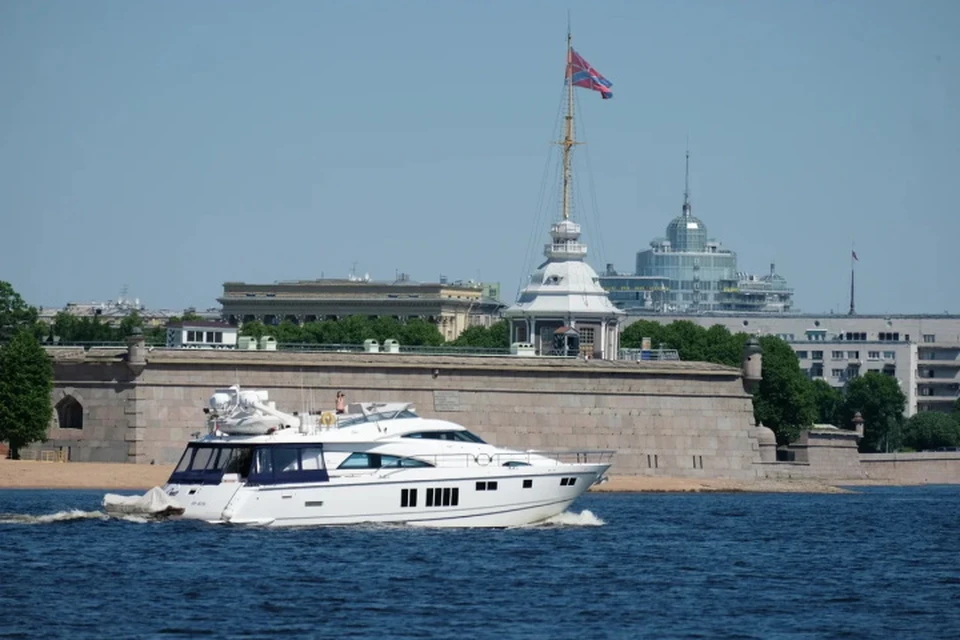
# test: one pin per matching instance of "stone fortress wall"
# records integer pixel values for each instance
(663, 418)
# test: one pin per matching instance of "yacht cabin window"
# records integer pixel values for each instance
(362, 460)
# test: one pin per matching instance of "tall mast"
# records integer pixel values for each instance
(686, 185)
(568, 140)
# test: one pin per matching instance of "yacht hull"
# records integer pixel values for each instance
(416, 497)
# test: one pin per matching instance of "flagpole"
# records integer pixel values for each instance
(853, 309)
(568, 141)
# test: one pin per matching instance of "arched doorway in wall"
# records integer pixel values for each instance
(70, 413)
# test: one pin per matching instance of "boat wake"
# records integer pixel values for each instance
(69, 515)
(585, 518)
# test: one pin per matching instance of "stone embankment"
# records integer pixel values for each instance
(29, 474)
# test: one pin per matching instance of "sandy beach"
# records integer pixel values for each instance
(30, 474)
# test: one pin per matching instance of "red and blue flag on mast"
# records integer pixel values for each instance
(581, 74)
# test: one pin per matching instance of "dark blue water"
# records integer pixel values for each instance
(881, 563)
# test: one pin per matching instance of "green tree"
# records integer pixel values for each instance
(880, 401)
(496, 336)
(326, 332)
(156, 336)
(26, 382)
(691, 341)
(828, 401)
(688, 338)
(287, 332)
(255, 329)
(15, 314)
(419, 332)
(784, 401)
(930, 430)
(632, 337)
(723, 347)
(131, 321)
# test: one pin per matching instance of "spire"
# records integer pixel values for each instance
(686, 186)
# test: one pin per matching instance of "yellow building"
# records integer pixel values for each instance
(452, 307)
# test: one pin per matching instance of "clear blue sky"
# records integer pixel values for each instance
(172, 146)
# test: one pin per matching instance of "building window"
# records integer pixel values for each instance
(802, 355)
(853, 355)
(836, 355)
(836, 373)
(889, 355)
(817, 355)
(873, 355)
(586, 335)
(929, 337)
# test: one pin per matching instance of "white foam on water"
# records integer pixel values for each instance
(67, 516)
(59, 516)
(585, 518)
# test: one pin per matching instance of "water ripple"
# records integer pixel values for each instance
(880, 563)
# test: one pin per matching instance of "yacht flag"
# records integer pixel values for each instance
(581, 74)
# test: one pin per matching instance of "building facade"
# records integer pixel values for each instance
(921, 351)
(687, 272)
(452, 307)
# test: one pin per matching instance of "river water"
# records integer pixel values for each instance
(878, 563)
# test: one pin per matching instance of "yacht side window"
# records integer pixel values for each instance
(311, 458)
(285, 459)
(240, 461)
(264, 461)
(361, 460)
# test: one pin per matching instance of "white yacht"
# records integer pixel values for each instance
(376, 463)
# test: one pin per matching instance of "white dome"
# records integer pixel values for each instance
(565, 287)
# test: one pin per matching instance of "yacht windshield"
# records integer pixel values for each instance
(358, 418)
(459, 436)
